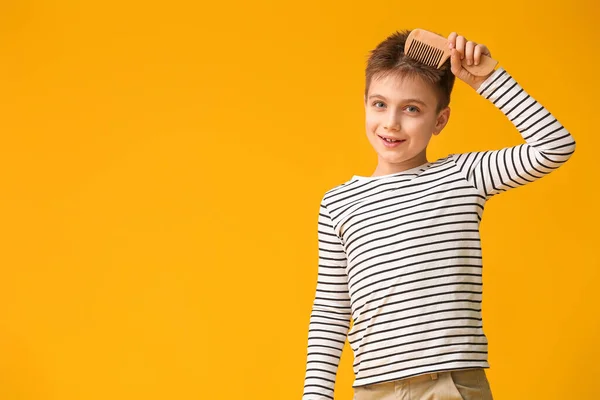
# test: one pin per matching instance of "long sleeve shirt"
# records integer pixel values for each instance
(400, 254)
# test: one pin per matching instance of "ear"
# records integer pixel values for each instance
(441, 120)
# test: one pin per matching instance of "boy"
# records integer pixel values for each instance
(399, 251)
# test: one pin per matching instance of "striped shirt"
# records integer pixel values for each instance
(400, 254)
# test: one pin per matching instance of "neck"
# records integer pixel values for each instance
(386, 168)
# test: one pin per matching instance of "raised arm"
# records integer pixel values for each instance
(547, 145)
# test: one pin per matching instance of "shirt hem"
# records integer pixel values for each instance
(363, 382)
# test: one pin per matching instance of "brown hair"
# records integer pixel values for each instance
(389, 58)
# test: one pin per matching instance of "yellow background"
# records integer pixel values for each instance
(162, 165)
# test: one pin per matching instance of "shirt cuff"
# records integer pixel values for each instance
(485, 84)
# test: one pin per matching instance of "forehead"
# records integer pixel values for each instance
(397, 87)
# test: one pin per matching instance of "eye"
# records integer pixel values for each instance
(377, 102)
(416, 110)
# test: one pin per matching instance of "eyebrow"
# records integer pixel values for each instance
(405, 100)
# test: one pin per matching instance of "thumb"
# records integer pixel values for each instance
(455, 62)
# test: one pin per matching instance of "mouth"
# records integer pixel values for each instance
(391, 143)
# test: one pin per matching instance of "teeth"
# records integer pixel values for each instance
(391, 141)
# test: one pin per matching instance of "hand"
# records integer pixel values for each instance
(461, 49)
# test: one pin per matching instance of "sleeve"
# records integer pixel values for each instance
(548, 144)
(330, 316)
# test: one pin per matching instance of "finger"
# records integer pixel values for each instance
(484, 50)
(469, 47)
(455, 65)
(452, 39)
(460, 46)
(477, 53)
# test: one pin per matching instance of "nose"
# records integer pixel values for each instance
(392, 122)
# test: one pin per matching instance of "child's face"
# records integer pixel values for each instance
(402, 108)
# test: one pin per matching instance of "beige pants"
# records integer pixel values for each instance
(464, 384)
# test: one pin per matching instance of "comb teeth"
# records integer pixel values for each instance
(424, 53)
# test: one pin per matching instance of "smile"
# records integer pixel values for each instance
(391, 144)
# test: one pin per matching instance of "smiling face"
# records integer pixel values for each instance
(402, 108)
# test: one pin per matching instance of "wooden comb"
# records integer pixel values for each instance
(432, 49)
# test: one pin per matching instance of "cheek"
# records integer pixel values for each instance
(371, 122)
(416, 125)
